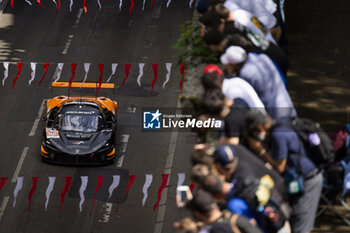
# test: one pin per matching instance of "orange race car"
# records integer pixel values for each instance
(79, 130)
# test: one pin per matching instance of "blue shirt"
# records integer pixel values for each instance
(285, 144)
(239, 206)
(260, 72)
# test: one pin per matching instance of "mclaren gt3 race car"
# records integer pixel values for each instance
(79, 130)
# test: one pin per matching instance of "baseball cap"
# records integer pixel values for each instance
(225, 155)
(233, 55)
(212, 69)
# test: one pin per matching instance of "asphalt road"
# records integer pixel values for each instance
(35, 34)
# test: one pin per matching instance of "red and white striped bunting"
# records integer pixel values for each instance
(98, 2)
(36, 67)
(84, 180)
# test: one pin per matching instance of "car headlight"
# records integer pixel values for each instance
(48, 145)
(45, 142)
(108, 146)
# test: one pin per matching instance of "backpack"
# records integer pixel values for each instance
(318, 145)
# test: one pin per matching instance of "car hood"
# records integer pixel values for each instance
(80, 143)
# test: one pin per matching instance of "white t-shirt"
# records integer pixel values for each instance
(239, 88)
(263, 9)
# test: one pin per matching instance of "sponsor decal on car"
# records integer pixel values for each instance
(52, 133)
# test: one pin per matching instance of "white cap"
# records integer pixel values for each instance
(233, 55)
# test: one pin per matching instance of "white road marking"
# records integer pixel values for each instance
(124, 140)
(70, 37)
(78, 17)
(161, 213)
(108, 206)
(167, 170)
(20, 163)
(67, 45)
(159, 226)
(120, 161)
(163, 197)
(108, 209)
(156, 11)
(3, 205)
(124, 144)
(172, 147)
(37, 119)
(152, 32)
(132, 109)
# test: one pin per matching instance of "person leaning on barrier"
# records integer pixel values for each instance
(260, 72)
(234, 161)
(279, 145)
(232, 87)
(205, 209)
(202, 156)
(232, 112)
(199, 172)
(247, 196)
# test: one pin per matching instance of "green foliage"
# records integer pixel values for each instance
(192, 50)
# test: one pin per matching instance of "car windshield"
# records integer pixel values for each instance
(79, 123)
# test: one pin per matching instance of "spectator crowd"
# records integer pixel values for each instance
(258, 175)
